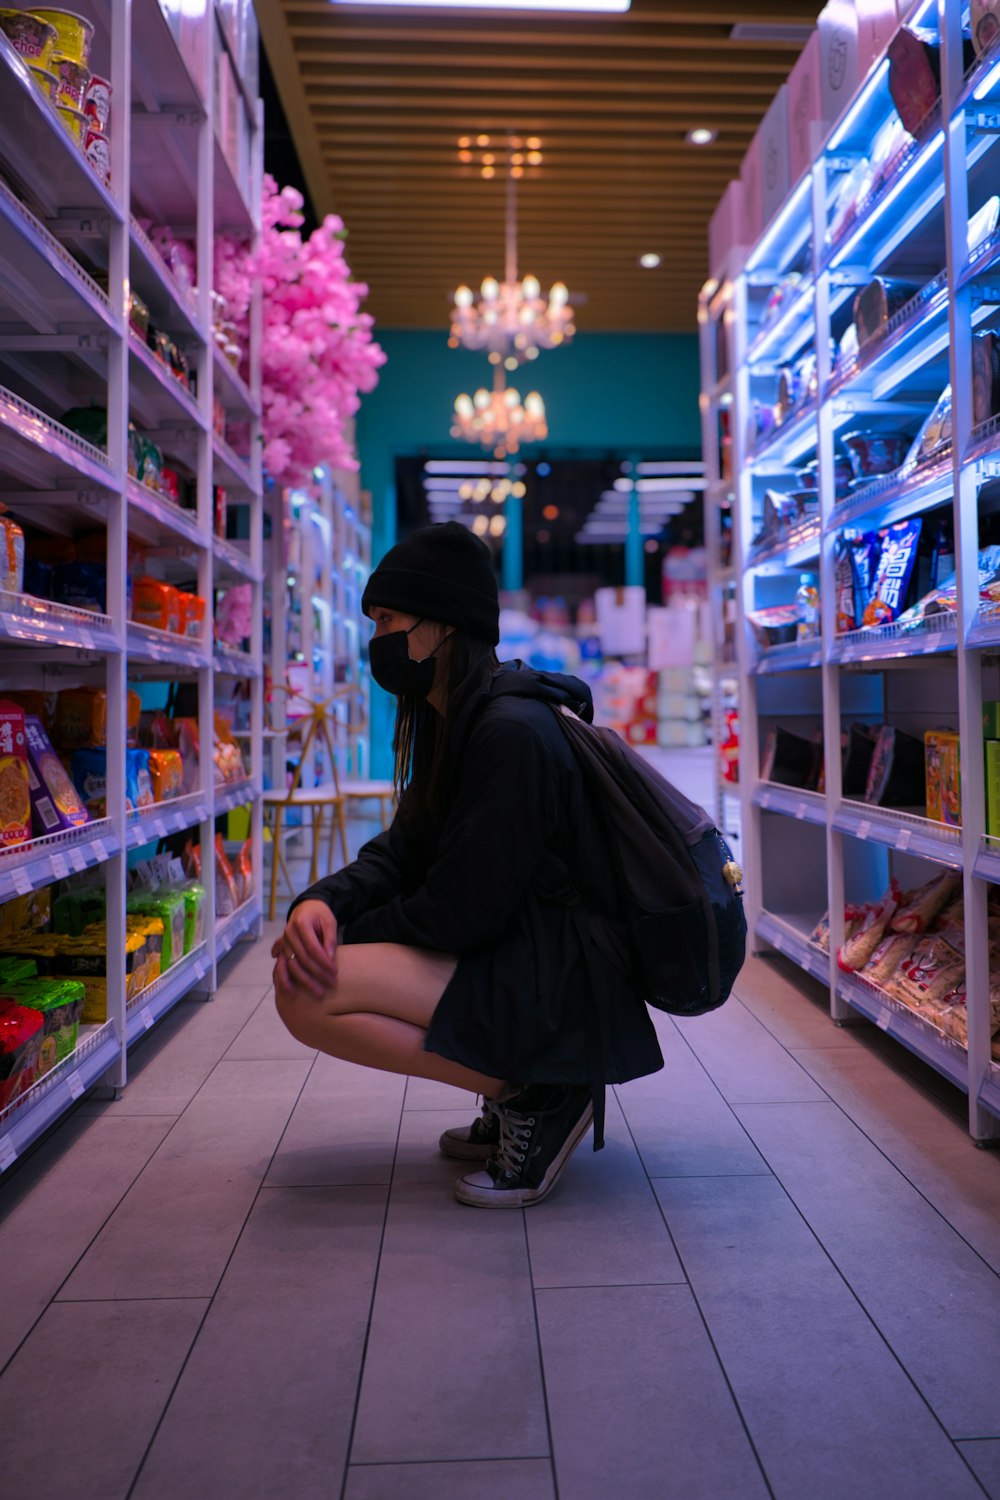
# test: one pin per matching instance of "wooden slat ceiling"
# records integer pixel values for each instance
(377, 98)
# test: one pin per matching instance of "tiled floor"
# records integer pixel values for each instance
(248, 1279)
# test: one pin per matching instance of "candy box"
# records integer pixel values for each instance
(55, 802)
(21, 1032)
(993, 788)
(942, 772)
(15, 801)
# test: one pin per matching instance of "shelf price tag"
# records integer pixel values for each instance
(21, 879)
(800, 811)
(765, 799)
(8, 1155)
(75, 1085)
(146, 1017)
(884, 1018)
(75, 857)
(100, 848)
(864, 828)
(779, 941)
(60, 868)
(903, 838)
(160, 828)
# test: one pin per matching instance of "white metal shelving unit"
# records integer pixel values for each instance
(807, 852)
(186, 147)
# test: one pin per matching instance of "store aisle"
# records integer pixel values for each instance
(249, 1278)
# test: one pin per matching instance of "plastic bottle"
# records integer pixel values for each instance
(807, 603)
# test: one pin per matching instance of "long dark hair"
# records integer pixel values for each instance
(422, 739)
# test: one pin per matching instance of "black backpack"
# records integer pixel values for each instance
(679, 884)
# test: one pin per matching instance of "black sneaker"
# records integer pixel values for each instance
(477, 1141)
(540, 1129)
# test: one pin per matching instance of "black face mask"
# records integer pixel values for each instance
(394, 669)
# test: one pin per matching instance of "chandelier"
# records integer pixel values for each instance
(498, 419)
(513, 320)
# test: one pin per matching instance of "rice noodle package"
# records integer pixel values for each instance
(15, 800)
(860, 946)
(921, 907)
(889, 954)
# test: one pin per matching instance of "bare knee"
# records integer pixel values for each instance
(299, 1014)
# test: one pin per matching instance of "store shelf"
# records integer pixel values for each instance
(147, 824)
(170, 307)
(33, 135)
(157, 396)
(891, 497)
(785, 238)
(915, 1032)
(794, 944)
(55, 857)
(796, 546)
(987, 865)
(989, 1090)
(898, 209)
(229, 469)
(232, 928)
(231, 662)
(984, 448)
(167, 108)
(27, 621)
(797, 656)
(936, 635)
(152, 1003)
(235, 794)
(232, 211)
(792, 801)
(789, 332)
(168, 517)
(147, 644)
(908, 832)
(42, 277)
(231, 559)
(981, 89)
(983, 259)
(28, 1118)
(230, 387)
(784, 445)
(41, 452)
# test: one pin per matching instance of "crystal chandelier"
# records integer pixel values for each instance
(498, 419)
(513, 320)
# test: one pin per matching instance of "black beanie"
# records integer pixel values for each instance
(441, 573)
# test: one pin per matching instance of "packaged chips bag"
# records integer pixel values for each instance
(892, 578)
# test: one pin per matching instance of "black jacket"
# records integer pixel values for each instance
(533, 999)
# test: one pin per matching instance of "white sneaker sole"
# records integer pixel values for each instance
(480, 1191)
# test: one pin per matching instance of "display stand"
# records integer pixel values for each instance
(809, 851)
(185, 147)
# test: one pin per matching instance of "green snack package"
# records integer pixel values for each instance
(74, 911)
(60, 1002)
(194, 915)
(14, 970)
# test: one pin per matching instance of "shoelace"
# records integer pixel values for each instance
(515, 1135)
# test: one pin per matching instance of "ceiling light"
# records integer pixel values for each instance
(701, 137)
(577, 5)
(650, 261)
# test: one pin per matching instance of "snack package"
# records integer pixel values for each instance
(11, 555)
(985, 377)
(89, 770)
(935, 432)
(820, 935)
(138, 780)
(864, 553)
(889, 954)
(860, 946)
(14, 970)
(919, 908)
(776, 626)
(78, 907)
(21, 1032)
(156, 604)
(788, 758)
(932, 969)
(192, 615)
(877, 303)
(984, 24)
(914, 75)
(28, 913)
(60, 1004)
(243, 871)
(82, 585)
(858, 753)
(942, 775)
(55, 802)
(15, 799)
(226, 898)
(81, 718)
(194, 914)
(191, 860)
(168, 908)
(166, 772)
(896, 774)
(892, 578)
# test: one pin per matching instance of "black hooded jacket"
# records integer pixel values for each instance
(534, 998)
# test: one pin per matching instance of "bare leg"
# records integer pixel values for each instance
(379, 1011)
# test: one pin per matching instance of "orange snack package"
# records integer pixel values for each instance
(156, 603)
(192, 615)
(81, 718)
(226, 896)
(166, 771)
(15, 798)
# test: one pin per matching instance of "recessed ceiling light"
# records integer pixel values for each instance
(649, 262)
(701, 137)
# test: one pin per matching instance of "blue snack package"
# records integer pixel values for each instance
(864, 552)
(895, 565)
(138, 781)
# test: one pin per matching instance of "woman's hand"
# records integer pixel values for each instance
(306, 953)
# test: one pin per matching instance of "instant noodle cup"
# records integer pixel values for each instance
(97, 102)
(15, 800)
(97, 150)
(72, 78)
(75, 121)
(74, 33)
(46, 83)
(32, 37)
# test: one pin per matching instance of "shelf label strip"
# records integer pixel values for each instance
(8, 1156)
(75, 1085)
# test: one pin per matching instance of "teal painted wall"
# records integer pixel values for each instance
(629, 392)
